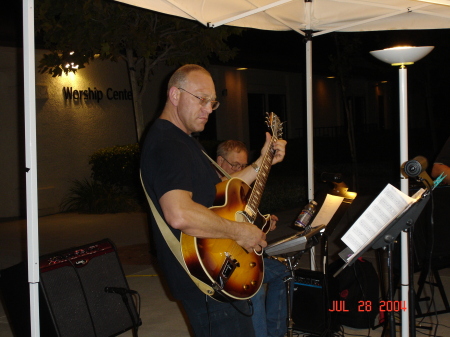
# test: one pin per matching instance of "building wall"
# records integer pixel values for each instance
(12, 170)
(232, 115)
(71, 126)
(290, 84)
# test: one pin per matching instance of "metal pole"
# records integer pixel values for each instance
(309, 119)
(31, 163)
(403, 93)
(287, 281)
(391, 289)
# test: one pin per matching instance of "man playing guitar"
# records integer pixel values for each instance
(181, 183)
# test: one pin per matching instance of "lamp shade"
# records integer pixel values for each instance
(401, 55)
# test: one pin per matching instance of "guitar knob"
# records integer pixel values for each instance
(252, 264)
(245, 287)
(253, 283)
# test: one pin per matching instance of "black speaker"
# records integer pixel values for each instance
(83, 292)
(313, 295)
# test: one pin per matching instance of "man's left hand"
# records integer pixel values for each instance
(279, 147)
(273, 222)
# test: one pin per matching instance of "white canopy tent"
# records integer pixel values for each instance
(309, 18)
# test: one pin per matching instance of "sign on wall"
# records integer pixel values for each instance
(97, 95)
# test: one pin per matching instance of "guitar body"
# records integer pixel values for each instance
(222, 263)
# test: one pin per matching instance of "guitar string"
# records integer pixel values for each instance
(261, 179)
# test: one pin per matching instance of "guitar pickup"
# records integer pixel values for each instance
(227, 270)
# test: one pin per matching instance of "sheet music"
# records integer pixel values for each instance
(328, 209)
(386, 206)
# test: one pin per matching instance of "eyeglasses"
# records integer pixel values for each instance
(236, 166)
(204, 101)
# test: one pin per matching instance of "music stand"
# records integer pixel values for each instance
(385, 239)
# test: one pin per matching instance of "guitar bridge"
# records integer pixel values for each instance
(228, 267)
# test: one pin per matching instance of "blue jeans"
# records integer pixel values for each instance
(210, 318)
(270, 302)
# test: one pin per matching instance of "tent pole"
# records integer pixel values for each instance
(31, 163)
(309, 120)
(309, 114)
(309, 133)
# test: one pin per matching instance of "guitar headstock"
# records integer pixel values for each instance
(275, 125)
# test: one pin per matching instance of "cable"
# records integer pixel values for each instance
(209, 317)
(227, 300)
(123, 292)
(84, 293)
(363, 296)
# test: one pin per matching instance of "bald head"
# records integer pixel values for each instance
(180, 76)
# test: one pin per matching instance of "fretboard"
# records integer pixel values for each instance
(260, 183)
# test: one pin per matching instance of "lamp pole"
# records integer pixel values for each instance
(402, 56)
(404, 187)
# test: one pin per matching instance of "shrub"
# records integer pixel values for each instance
(90, 196)
(115, 185)
(117, 166)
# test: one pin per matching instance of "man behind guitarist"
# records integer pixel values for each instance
(270, 302)
(181, 183)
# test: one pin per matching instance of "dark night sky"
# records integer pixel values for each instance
(286, 50)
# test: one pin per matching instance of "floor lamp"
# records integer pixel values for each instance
(403, 56)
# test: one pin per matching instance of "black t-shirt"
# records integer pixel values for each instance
(172, 160)
(444, 156)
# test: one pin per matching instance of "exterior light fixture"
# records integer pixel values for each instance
(241, 68)
(71, 65)
(402, 56)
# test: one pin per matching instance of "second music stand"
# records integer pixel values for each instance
(385, 239)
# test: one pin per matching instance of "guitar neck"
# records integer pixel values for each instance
(260, 183)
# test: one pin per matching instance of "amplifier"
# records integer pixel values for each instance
(313, 294)
(83, 292)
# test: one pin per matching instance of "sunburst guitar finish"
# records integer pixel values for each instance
(222, 263)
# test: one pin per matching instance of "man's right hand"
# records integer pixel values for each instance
(251, 237)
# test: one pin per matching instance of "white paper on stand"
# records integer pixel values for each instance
(327, 211)
(381, 212)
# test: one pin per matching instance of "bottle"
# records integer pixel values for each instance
(306, 214)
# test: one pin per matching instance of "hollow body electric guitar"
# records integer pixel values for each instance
(229, 269)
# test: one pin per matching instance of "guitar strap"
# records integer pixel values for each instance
(174, 244)
(217, 166)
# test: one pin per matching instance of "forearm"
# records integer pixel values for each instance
(201, 222)
(249, 173)
(182, 213)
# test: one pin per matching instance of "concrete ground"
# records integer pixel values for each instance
(161, 316)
